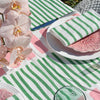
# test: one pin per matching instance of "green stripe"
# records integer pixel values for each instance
(98, 18)
(57, 72)
(6, 80)
(80, 26)
(54, 85)
(68, 68)
(92, 21)
(74, 29)
(85, 24)
(35, 15)
(36, 83)
(92, 67)
(34, 20)
(15, 97)
(40, 79)
(45, 7)
(58, 97)
(65, 94)
(50, 73)
(92, 72)
(51, 9)
(21, 87)
(61, 35)
(39, 12)
(67, 74)
(87, 69)
(27, 86)
(33, 25)
(46, 10)
(81, 71)
(56, 7)
(68, 32)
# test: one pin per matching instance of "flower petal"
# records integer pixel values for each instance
(22, 41)
(6, 30)
(9, 43)
(11, 16)
(4, 4)
(13, 56)
(26, 52)
(24, 22)
(3, 51)
(25, 8)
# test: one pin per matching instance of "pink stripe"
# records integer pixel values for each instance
(38, 44)
(8, 57)
(77, 14)
(2, 72)
(43, 32)
(32, 55)
(95, 95)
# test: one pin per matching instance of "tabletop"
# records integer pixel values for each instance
(44, 71)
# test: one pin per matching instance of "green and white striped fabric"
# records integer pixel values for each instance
(43, 11)
(77, 28)
(42, 77)
(15, 97)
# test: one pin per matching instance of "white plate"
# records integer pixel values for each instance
(11, 89)
(57, 47)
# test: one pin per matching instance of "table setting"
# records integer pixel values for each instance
(58, 48)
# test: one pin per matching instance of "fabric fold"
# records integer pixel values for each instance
(15, 97)
(77, 28)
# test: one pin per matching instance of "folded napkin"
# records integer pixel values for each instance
(43, 11)
(85, 5)
(15, 97)
(77, 28)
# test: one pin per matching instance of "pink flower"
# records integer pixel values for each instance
(11, 15)
(18, 55)
(13, 30)
(22, 41)
(17, 5)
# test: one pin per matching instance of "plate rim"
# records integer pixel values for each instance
(86, 57)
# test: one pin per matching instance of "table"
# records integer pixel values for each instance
(44, 72)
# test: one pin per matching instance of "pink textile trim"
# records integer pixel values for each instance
(8, 57)
(95, 95)
(2, 72)
(32, 55)
(38, 44)
(43, 32)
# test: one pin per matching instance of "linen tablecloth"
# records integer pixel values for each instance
(39, 77)
(43, 11)
(44, 72)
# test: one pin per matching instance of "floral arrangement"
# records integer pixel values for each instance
(15, 34)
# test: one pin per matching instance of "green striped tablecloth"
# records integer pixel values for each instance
(15, 97)
(40, 78)
(77, 28)
(43, 11)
